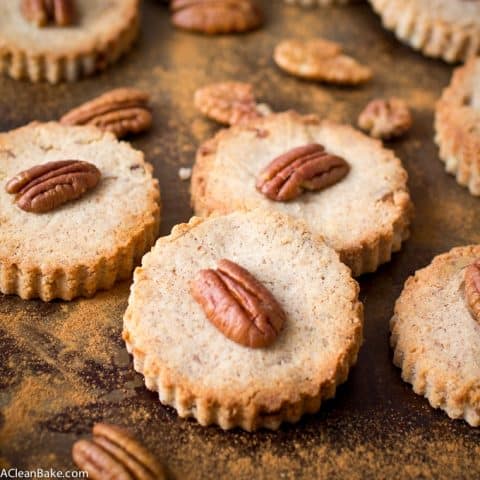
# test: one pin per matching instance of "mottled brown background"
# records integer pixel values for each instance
(63, 365)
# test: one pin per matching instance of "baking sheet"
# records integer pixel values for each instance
(63, 365)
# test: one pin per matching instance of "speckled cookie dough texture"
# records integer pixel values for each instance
(448, 29)
(201, 373)
(364, 217)
(101, 33)
(436, 339)
(457, 120)
(84, 245)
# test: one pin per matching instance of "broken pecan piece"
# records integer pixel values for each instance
(386, 118)
(216, 16)
(238, 304)
(120, 111)
(472, 289)
(320, 60)
(308, 167)
(115, 454)
(42, 12)
(45, 187)
(230, 103)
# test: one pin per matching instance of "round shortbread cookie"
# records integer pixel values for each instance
(448, 29)
(457, 125)
(203, 374)
(436, 339)
(84, 245)
(364, 217)
(100, 34)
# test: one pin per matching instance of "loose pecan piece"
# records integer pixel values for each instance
(114, 454)
(47, 186)
(120, 111)
(386, 118)
(230, 103)
(472, 289)
(238, 304)
(320, 60)
(216, 16)
(42, 12)
(308, 167)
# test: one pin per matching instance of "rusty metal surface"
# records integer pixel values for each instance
(63, 365)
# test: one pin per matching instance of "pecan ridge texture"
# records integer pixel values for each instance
(386, 118)
(472, 289)
(320, 60)
(236, 303)
(230, 103)
(47, 186)
(115, 454)
(308, 167)
(42, 12)
(216, 16)
(121, 111)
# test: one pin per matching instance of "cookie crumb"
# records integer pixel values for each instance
(184, 173)
(264, 109)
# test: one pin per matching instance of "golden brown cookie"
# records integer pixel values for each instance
(362, 211)
(100, 33)
(436, 337)
(89, 242)
(457, 126)
(204, 374)
(448, 29)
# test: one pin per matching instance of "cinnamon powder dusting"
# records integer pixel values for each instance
(66, 368)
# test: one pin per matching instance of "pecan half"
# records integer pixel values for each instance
(42, 12)
(216, 16)
(320, 60)
(121, 111)
(304, 168)
(230, 103)
(238, 304)
(114, 454)
(386, 118)
(45, 187)
(472, 289)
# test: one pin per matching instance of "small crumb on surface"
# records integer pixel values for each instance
(184, 173)
(264, 109)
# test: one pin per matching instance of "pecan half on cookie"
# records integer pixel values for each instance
(42, 12)
(216, 16)
(472, 289)
(45, 187)
(121, 111)
(114, 454)
(238, 304)
(308, 167)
